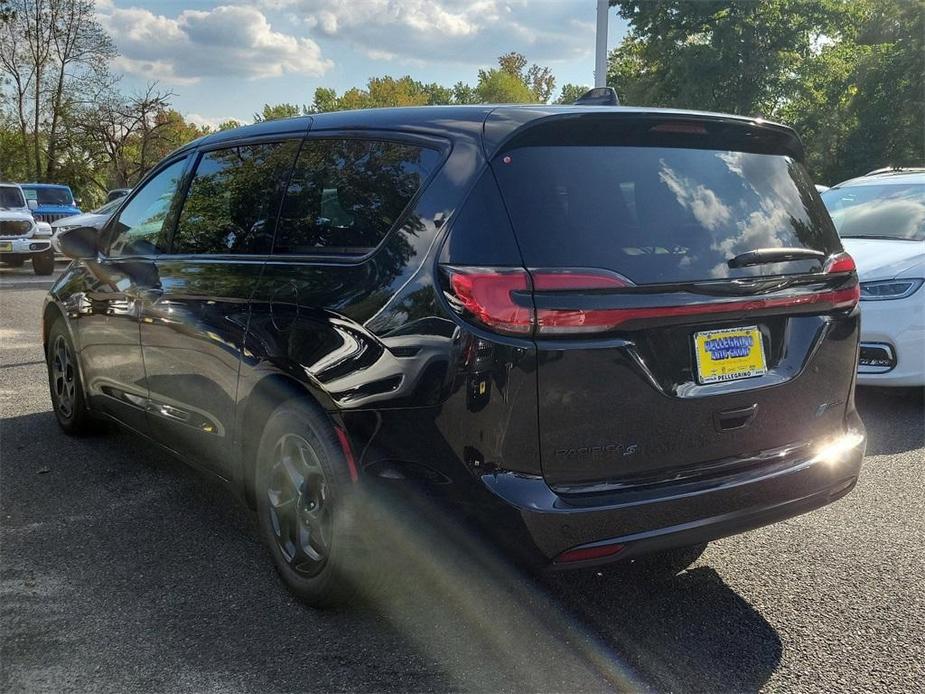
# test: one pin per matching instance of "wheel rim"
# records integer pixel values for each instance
(297, 493)
(63, 377)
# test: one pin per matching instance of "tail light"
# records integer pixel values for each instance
(840, 262)
(502, 299)
(487, 296)
(518, 302)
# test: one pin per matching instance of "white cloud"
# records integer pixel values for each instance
(703, 203)
(450, 31)
(225, 41)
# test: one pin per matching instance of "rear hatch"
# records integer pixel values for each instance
(688, 295)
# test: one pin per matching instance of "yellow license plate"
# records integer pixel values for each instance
(728, 355)
(6, 246)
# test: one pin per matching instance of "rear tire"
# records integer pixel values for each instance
(64, 384)
(307, 507)
(43, 263)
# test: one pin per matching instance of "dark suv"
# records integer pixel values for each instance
(590, 333)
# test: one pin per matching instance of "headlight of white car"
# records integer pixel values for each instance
(884, 290)
(43, 229)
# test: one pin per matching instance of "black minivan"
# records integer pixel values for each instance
(591, 333)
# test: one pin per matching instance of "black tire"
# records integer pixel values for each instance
(43, 263)
(14, 261)
(64, 384)
(307, 508)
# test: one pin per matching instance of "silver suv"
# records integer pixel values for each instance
(21, 236)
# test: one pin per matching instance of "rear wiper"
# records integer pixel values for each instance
(763, 256)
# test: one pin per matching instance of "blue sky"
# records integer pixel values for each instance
(225, 60)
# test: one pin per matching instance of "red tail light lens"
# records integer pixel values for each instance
(486, 295)
(841, 262)
(502, 299)
(553, 280)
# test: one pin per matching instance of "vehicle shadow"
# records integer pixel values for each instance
(894, 417)
(690, 632)
(122, 568)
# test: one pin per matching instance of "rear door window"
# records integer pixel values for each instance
(233, 199)
(345, 194)
(660, 214)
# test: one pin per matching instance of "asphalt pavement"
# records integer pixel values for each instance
(122, 570)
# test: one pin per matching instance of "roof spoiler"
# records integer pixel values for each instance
(599, 96)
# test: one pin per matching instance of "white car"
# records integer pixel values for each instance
(23, 238)
(881, 220)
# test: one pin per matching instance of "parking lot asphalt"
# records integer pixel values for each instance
(123, 571)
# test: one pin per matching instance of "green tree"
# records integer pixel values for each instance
(848, 74)
(719, 54)
(325, 100)
(571, 92)
(277, 111)
(860, 101)
(54, 57)
(464, 94)
(380, 92)
(497, 86)
(537, 79)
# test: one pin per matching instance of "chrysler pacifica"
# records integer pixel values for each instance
(596, 334)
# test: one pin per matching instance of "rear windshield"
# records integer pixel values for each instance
(660, 214)
(49, 196)
(891, 211)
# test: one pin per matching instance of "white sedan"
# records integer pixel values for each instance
(881, 220)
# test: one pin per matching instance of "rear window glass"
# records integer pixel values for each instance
(891, 211)
(660, 214)
(345, 195)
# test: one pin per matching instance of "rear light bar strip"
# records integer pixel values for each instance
(501, 299)
(555, 321)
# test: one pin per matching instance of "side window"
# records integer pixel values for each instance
(139, 225)
(233, 199)
(346, 194)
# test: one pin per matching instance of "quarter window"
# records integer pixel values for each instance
(346, 194)
(138, 228)
(233, 199)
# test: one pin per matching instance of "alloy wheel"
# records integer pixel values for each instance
(299, 506)
(63, 377)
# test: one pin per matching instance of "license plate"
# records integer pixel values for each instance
(6, 246)
(728, 355)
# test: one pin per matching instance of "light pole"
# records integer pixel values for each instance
(600, 49)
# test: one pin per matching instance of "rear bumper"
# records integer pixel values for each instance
(678, 515)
